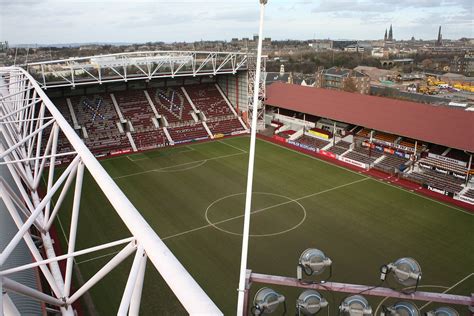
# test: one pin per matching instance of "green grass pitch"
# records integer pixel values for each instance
(193, 197)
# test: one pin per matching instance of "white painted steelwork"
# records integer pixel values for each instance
(30, 150)
(248, 195)
(135, 66)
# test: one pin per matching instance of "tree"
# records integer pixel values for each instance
(349, 85)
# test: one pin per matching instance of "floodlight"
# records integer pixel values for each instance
(443, 311)
(402, 308)
(355, 305)
(312, 262)
(310, 302)
(266, 301)
(406, 271)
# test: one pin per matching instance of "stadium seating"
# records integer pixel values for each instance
(172, 104)
(340, 147)
(469, 193)
(97, 114)
(226, 127)
(312, 141)
(208, 99)
(135, 107)
(445, 165)
(149, 139)
(63, 143)
(287, 133)
(458, 155)
(384, 137)
(435, 179)
(363, 155)
(410, 143)
(391, 163)
(365, 132)
(184, 134)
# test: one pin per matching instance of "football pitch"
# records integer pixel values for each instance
(193, 196)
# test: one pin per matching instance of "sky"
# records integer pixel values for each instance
(139, 21)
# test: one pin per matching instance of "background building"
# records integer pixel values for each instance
(343, 79)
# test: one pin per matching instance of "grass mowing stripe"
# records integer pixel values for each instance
(378, 180)
(266, 208)
(178, 165)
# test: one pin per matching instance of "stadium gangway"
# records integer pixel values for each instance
(251, 277)
(145, 65)
(23, 125)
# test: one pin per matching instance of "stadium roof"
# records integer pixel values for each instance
(439, 125)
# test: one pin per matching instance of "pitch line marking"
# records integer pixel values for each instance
(447, 289)
(359, 173)
(264, 209)
(184, 169)
(450, 288)
(177, 165)
(98, 257)
(289, 200)
(408, 288)
(232, 146)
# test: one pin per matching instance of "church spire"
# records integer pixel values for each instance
(390, 33)
(440, 37)
(385, 37)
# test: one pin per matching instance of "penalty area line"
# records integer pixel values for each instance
(178, 165)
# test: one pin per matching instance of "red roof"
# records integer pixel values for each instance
(435, 124)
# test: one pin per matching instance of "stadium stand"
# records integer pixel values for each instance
(287, 133)
(98, 116)
(63, 143)
(410, 143)
(437, 180)
(384, 137)
(340, 147)
(171, 103)
(135, 107)
(445, 165)
(437, 149)
(363, 155)
(469, 193)
(188, 133)
(149, 139)
(365, 133)
(391, 163)
(208, 99)
(458, 155)
(226, 127)
(312, 141)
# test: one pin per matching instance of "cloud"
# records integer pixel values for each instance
(55, 21)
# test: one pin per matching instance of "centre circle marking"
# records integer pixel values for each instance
(290, 200)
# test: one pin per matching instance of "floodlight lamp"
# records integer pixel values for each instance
(355, 305)
(266, 301)
(312, 262)
(310, 302)
(406, 271)
(402, 308)
(443, 311)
